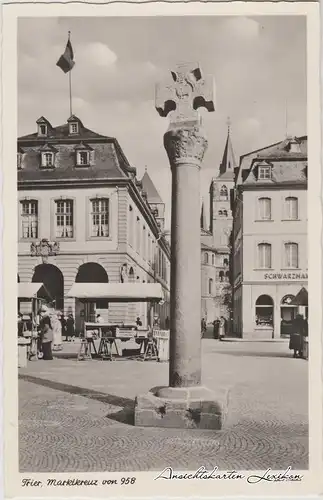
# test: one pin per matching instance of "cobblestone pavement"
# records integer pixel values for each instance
(76, 416)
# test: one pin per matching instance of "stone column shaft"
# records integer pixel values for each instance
(185, 318)
(185, 146)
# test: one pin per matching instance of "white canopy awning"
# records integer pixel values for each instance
(30, 290)
(118, 292)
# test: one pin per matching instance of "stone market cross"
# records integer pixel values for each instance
(189, 92)
(185, 402)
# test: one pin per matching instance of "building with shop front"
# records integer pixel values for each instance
(270, 238)
(216, 241)
(84, 217)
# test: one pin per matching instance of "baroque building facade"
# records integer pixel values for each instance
(85, 217)
(216, 241)
(270, 239)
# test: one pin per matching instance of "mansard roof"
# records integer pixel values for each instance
(109, 159)
(288, 166)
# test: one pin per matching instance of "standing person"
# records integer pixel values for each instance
(57, 330)
(216, 323)
(222, 327)
(46, 334)
(63, 324)
(203, 327)
(296, 338)
(69, 327)
(138, 322)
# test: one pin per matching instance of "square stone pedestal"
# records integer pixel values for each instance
(185, 408)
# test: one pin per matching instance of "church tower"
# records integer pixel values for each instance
(221, 223)
(220, 195)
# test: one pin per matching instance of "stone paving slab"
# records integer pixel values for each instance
(76, 416)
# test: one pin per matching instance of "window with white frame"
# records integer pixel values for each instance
(29, 219)
(264, 208)
(83, 158)
(47, 159)
(210, 286)
(291, 255)
(291, 208)
(206, 258)
(19, 160)
(100, 218)
(74, 128)
(264, 172)
(264, 255)
(64, 215)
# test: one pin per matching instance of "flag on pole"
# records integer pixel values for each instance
(66, 61)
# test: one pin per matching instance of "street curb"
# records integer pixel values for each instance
(257, 341)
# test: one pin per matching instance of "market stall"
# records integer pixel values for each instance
(31, 296)
(115, 333)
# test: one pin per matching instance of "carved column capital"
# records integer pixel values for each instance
(185, 144)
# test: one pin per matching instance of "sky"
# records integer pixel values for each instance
(258, 64)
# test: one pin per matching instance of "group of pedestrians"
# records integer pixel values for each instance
(219, 327)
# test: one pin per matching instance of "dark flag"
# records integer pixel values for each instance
(66, 61)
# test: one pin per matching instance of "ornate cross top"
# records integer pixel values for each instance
(189, 92)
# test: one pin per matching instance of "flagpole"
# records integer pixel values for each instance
(70, 81)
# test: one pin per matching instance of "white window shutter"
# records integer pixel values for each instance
(43, 160)
(92, 157)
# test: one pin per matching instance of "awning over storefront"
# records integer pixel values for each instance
(301, 298)
(31, 290)
(118, 292)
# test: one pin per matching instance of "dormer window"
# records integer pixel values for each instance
(47, 153)
(264, 173)
(42, 130)
(73, 128)
(84, 155)
(44, 127)
(47, 159)
(19, 159)
(294, 146)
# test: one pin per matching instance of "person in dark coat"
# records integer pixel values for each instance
(70, 332)
(297, 337)
(216, 324)
(46, 334)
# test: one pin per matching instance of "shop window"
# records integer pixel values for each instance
(264, 311)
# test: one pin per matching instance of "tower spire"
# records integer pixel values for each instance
(228, 160)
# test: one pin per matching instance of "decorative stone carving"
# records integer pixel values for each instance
(123, 274)
(189, 91)
(185, 145)
(44, 249)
